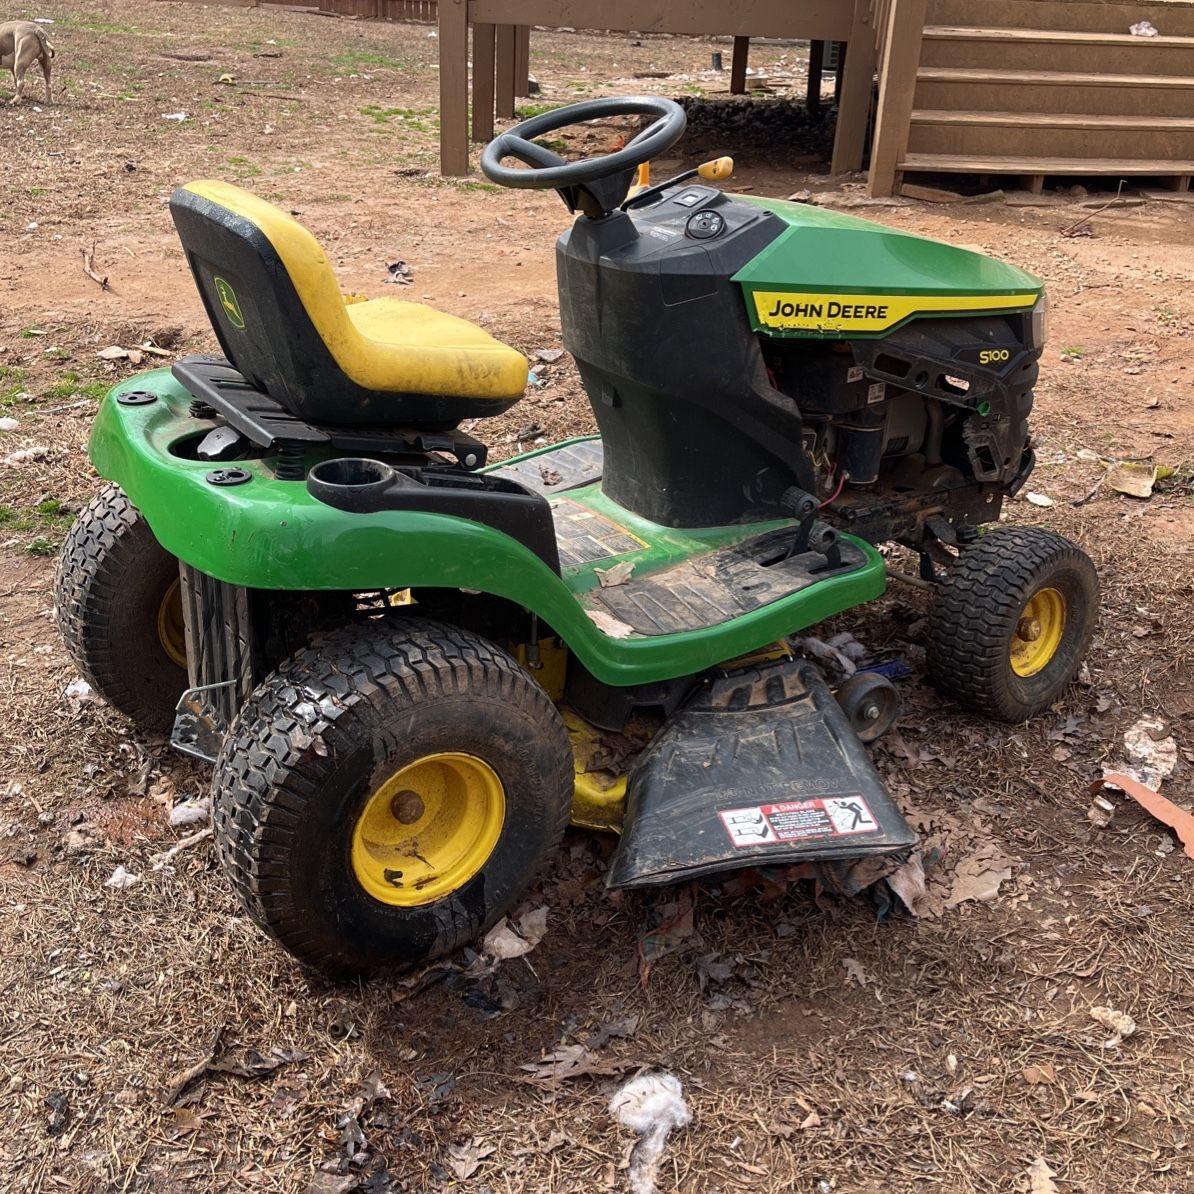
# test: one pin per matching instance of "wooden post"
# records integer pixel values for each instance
(522, 60)
(897, 90)
(453, 87)
(483, 40)
(816, 62)
(738, 65)
(505, 71)
(856, 80)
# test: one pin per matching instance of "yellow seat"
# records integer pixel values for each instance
(276, 307)
(425, 351)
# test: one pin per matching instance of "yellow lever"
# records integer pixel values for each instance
(643, 178)
(716, 170)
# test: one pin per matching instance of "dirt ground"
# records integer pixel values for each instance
(823, 1045)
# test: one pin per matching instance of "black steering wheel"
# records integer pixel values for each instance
(549, 171)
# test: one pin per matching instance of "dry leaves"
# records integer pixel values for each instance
(1040, 1178)
(465, 1157)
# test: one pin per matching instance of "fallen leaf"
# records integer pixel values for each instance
(610, 1029)
(855, 972)
(465, 1157)
(619, 574)
(112, 353)
(1133, 478)
(1039, 499)
(572, 1061)
(506, 940)
(1040, 1075)
(1040, 1178)
(979, 876)
(606, 623)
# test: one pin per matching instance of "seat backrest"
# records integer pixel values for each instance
(250, 261)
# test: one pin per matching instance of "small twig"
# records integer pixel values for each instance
(183, 843)
(1097, 486)
(89, 268)
(57, 410)
(1097, 212)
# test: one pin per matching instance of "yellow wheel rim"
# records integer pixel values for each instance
(428, 829)
(1038, 632)
(172, 632)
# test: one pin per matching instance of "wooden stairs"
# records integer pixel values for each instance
(1042, 88)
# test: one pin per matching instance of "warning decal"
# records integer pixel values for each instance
(798, 821)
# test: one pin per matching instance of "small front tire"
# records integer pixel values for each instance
(385, 796)
(1012, 621)
(118, 603)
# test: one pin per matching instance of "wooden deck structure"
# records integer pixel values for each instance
(848, 21)
(1034, 88)
(1027, 88)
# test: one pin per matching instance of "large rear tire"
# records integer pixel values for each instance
(119, 609)
(1012, 621)
(385, 796)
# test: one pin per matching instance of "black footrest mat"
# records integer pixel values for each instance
(761, 767)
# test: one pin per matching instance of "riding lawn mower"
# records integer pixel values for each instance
(412, 667)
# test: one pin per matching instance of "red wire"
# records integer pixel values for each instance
(841, 481)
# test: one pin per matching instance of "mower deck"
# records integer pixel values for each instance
(761, 768)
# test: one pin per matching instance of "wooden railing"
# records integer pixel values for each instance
(900, 32)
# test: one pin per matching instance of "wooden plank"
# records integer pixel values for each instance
(897, 85)
(1050, 78)
(975, 164)
(738, 64)
(1016, 96)
(1052, 37)
(1139, 55)
(1034, 184)
(483, 60)
(453, 87)
(856, 80)
(522, 60)
(1052, 120)
(829, 20)
(1171, 16)
(504, 58)
(816, 73)
(990, 141)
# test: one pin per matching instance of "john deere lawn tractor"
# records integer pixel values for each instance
(412, 667)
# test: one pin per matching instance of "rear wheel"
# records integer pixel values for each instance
(1012, 620)
(383, 799)
(118, 603)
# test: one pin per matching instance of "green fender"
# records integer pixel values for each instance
(272, 534)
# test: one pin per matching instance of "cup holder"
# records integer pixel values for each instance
(349, 479)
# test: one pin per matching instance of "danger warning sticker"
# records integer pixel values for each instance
(798, 821)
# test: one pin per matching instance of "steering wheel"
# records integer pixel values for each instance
(549, 171)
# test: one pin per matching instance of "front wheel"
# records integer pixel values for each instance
(387, 794)
(118, 602)
(1012, 620)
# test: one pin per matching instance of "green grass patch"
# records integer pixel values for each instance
(409, 116)
(71, 384)
(526, 111)
(353, 60)
(13, 374)
(42, 547)
(243, 168)
(57, 354)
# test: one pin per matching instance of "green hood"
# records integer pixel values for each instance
(834, 275)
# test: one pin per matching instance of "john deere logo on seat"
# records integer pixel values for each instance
(229, 303)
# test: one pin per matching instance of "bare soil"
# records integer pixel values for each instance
(842, 1046)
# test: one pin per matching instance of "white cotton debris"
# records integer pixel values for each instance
(653, 1106)
(191, 812)
(122, 880)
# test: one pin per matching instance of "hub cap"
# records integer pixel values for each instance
(172, 633)
(428, 829)
(1038, 632)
